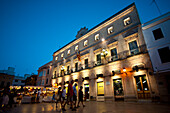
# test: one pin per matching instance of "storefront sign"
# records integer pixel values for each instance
(107, 83)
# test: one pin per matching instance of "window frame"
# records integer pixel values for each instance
(125, 19)
(156, 35)
(97, 37)
(108, 30)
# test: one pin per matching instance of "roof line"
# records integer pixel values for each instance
(99, 24)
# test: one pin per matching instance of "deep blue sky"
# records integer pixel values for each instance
(31, 30)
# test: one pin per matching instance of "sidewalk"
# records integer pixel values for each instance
(95, 107)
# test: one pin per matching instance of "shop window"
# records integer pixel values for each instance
(85, 42)
(110, 30)
(100, 89)
(114, 54)
(133, 48)
(96, 37)
(158, 34)
(118, 88)
(164, 54)
(98, 59)
(127, 21)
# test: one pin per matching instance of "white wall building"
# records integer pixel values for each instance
(157, 37)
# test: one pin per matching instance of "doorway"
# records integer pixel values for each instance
(142, 87)
(118, 89)
(86, 90)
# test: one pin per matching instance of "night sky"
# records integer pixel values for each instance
(31, 30)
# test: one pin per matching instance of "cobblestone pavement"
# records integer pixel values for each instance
(94, 107)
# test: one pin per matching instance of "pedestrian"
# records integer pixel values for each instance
(75, 94)
(70, 95)
(81, 97)
(53, 97)
(5, 99)
(58, 96)
(63, 98)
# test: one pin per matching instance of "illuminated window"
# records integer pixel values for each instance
(62, 55)
(76, 47)
(133, 47)
(56, 58)
(96, 37)
(68, 52)
(85, 42)
(110, 30)
(127, 21)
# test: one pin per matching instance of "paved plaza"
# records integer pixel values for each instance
(94, 107)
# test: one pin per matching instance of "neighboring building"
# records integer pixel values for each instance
(110, 61)
(157, 37)
(31, 81)
(18, 81)
(44, 75)
(10, 71)
(27, 75)
(5, 80)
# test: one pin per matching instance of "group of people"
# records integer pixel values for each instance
(7, 98)
(71, 99)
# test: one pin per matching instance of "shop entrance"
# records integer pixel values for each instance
(100, 89)
(86, 90)
(118, 89)
(142, 87)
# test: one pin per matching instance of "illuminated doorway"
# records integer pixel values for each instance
(118, 89)
(142, 87)
(100, 88)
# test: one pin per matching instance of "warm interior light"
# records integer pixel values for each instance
(124, 70)
(103, 39)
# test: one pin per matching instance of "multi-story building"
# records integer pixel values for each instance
(5, 80)
(18, 81)
(10, 71)
(157, 37)
(31, 81)
(110, 61)
(44, 75)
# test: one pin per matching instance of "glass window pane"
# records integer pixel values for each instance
(145, 85)
(118, 89)
(138, 84)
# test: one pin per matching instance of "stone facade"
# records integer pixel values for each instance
(110, 61)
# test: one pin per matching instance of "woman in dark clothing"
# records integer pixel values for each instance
(81, 96)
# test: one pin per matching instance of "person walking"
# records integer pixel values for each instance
(58, 96)
(63, 98)
(81, 97)
(70, 94)
(75, 95)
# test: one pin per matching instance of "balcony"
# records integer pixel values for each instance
(121, 55)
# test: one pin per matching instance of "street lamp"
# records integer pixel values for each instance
(104, 53)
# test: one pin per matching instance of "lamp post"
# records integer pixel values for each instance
(104, 53)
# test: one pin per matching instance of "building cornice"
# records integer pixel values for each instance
(100, 26)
